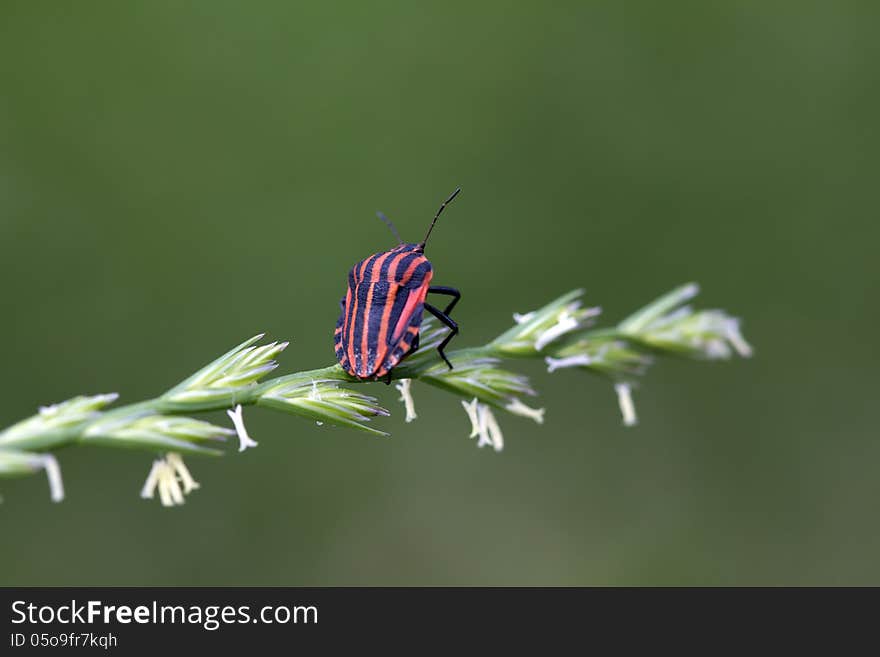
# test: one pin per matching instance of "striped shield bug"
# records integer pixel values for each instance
(383, 306)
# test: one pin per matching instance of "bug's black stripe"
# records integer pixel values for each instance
(397, 355)
(404, 264)
(352, 284)
(341, 320)
(361, 319)
(341, 356)
(374, 322)
(383, 272)
(368, 268)
(404, 345)
(348, 330)
(396, 311)
(349, 310)
(357, 326)
(418, 276)
(401, 348)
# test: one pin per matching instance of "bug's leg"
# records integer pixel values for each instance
(450, 291)
(388, 378)
(446, 321)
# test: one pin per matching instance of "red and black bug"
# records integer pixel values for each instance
(382, 309)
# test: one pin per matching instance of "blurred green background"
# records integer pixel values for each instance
(177, 176)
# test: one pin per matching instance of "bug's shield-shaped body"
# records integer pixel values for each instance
(382, 311)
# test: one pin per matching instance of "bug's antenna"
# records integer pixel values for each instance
(390, 225)
(436, 216)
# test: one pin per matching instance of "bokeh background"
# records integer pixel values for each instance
(177, 176)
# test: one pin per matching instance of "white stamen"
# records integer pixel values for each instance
(484, 425)
(625, 401)
(152, 480)
(53, 473)
(690, 291)
(162, 477)
(169, 488)
(522, 319)
(578, 360)
(407, 399)
(244, 440)
(484, 438)
(176, 462)
(735, 338)
(167, 474)
(563, 325)
(519, 408)
(472, 410)
(717, 349)
(490, 431)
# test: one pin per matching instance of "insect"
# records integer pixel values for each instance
(383, 306)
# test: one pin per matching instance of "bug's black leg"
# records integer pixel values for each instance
(446, 321)
(388, 378)
(450, 291)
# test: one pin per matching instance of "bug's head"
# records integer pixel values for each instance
(420, 247)
(407, 247)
